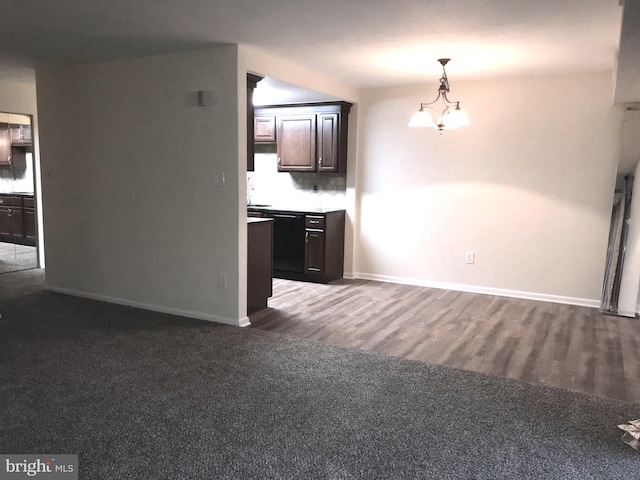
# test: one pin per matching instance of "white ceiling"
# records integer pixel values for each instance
(363, 43)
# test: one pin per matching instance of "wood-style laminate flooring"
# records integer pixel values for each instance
(547, 343)
(14, 257)
(7, 248)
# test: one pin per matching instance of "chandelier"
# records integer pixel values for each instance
(445, 115)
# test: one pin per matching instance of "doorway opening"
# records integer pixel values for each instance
(18, 212)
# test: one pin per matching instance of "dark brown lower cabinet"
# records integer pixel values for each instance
(314, 252)
(259, 263)
(306, 246)
(29, 217)
(324, 246)
(17, 220)
(6, 223)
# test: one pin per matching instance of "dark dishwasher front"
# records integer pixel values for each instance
(288, 244)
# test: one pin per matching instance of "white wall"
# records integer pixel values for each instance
(18, 97)
(264, 63)
(135, 212)
(527, 187)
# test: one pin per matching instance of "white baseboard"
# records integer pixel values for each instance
(584, 302)
(154, 308)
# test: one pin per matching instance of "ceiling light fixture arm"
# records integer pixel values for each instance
(446, 104)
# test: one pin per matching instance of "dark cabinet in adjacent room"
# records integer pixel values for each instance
(29, 219)
(5, 145)
(17, 219)
(20, 134)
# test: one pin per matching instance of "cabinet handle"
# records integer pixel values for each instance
(279, 161)
(320, 162)
(306, 237)
(314, 221)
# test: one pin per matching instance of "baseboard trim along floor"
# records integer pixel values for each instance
(461, 287)
(154, 308)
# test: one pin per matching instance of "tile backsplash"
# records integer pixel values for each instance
(19, 177)
(267, 186)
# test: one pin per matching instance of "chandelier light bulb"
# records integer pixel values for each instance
(421, 119)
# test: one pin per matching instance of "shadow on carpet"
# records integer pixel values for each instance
(141, 395)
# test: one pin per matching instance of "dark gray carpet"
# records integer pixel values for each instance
(144, 395)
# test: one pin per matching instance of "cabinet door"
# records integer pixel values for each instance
(264, 129)
(11, 223)
(16, 133)
(328, 142)
(314, 251)
(296, 143)
(6, 223)
(5, 145)
(18, 224)
(29, 225)
(26, 134)
(259, 265)
(20, 134)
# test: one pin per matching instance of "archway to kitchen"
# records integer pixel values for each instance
(18, 213)
(286, 196)
(22, 230)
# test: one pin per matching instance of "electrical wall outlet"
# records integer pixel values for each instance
(470, 257)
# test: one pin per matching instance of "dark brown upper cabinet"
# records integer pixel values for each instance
(310, 137)
(327, 142)
(20, 135)
(252, 82)
(264, 129)
(5, 145)
(297, 142)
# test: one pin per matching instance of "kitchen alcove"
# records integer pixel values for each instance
(18, 231)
